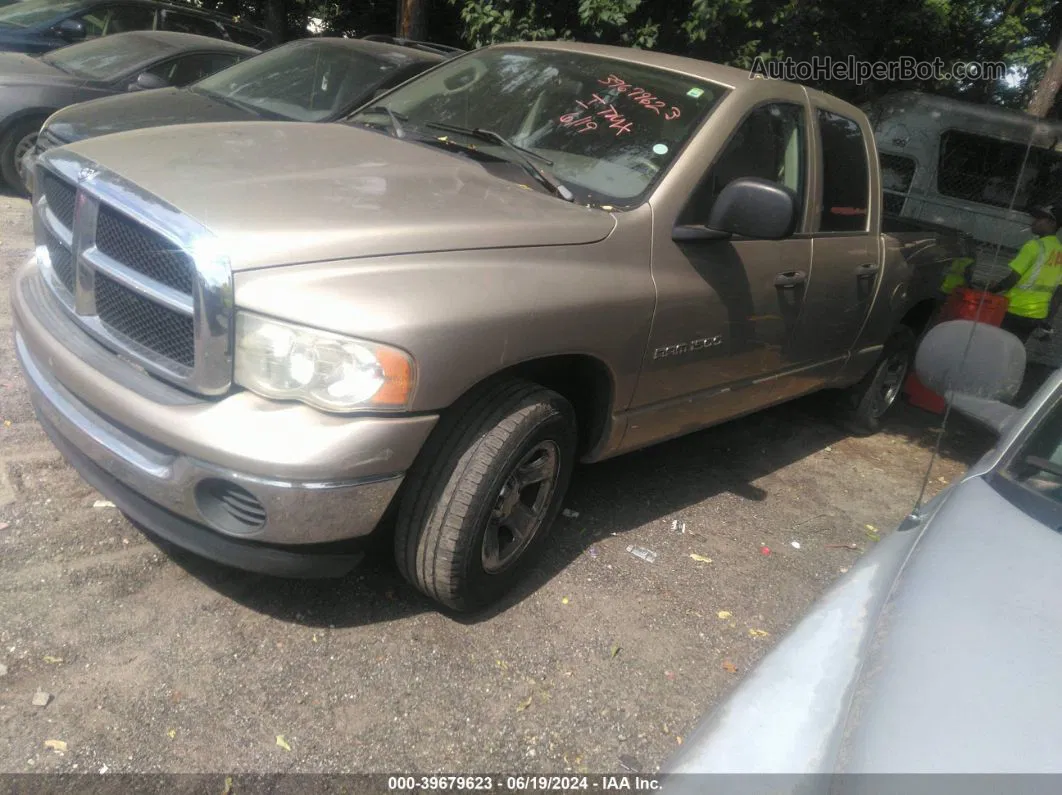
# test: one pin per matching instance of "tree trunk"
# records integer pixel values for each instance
(412, 21)
(277, 18)
(1044, 98)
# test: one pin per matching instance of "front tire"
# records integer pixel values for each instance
(480, 500)
(17, 140)
(866, 403)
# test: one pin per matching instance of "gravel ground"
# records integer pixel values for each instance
(162, 663)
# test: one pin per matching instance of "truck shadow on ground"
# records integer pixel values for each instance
(615, 496)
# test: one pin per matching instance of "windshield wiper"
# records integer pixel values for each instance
(527, 157)
(396, 118)
(235, 103)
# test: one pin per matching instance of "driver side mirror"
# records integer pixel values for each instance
(146, 81)
(749, 207)
(976, 366)
(71, 29)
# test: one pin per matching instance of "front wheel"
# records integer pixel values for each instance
(479, 502)
(866, 402)
(17, 141)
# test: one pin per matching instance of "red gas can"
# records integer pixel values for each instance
(967, 304)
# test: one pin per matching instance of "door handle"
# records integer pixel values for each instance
(790, 279)
(867, 269)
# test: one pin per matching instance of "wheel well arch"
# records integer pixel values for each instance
(23, 115)
(583, 380)
(918, 316)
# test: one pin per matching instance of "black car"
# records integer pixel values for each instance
(33, 87)
(36, 26)
(315, 80)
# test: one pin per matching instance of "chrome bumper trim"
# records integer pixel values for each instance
(298, 512)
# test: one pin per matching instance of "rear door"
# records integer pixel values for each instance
(846, 259)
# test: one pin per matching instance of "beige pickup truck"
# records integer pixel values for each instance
(264, 340)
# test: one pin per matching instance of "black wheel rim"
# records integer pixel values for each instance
(889, 381)
(520, 509)
(21, 148)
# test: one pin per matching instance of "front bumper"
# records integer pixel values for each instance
(164, 456)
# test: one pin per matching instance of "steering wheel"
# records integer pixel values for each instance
(477, 68)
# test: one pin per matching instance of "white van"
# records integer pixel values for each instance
(975, 168)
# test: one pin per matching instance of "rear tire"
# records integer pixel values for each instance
(13, 145)
(865, 403)
(479, 502)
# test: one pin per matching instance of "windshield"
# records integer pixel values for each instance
(1038, 466)
(305, 80)
(609, 127)
(106, 58)
(33, 12)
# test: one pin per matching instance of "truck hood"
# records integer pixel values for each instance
(937, 654)
(159, 108)
(282, 193)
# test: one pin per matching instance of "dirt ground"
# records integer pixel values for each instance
(157, 663)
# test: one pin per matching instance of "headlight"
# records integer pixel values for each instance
(328, 371)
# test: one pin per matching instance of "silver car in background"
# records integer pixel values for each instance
(941, 650)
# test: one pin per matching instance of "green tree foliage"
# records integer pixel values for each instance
(1021, 34)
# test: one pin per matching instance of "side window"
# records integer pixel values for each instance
(988, 170)
(108, 19)
(845, 175)
(770, 144)
(194, 67)
(189, 23)
(897, 173)
(248, 38)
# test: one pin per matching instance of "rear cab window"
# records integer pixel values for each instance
(845, 174)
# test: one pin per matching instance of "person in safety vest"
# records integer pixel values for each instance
(959, 274)
(1033, 281)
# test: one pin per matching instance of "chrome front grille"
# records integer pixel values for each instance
(60, 197)
(62, 261)
(124, 240)
(143, 322)
(135, 273)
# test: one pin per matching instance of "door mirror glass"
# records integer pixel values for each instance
(71, 29)
(992, 369)
(977, 366)
(756, 208)
(146, 81)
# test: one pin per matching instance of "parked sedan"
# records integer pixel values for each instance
(32, 88)
(940, 651)
(36, 26)
(305, 80)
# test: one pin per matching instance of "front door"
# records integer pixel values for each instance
(726, 308)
